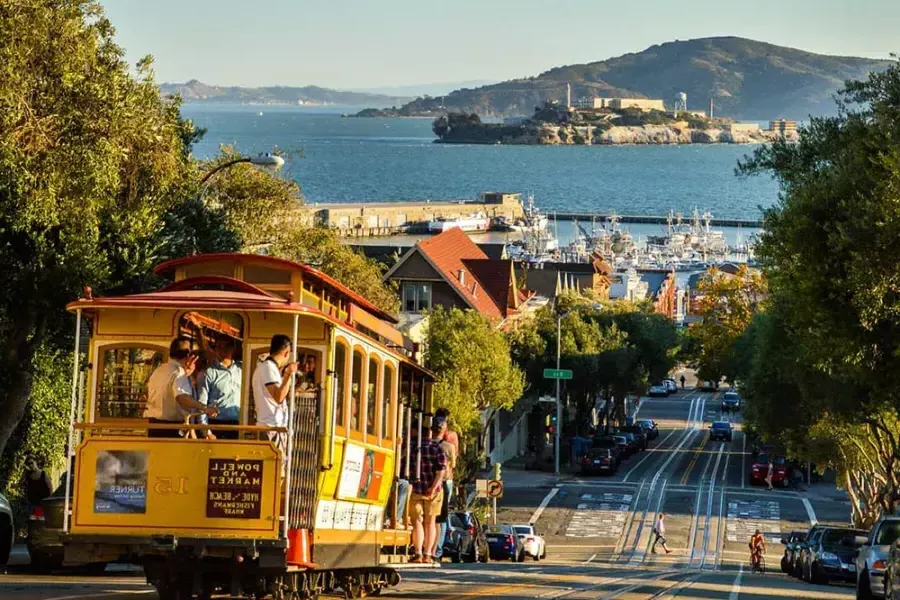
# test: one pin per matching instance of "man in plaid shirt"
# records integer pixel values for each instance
(425, 502)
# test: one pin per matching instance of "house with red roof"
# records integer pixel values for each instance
(451, 271)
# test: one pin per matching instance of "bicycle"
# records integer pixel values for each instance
(757, 562)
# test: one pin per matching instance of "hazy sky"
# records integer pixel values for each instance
(376, 43)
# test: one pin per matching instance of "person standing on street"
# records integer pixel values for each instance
(682, 381)
(451, 452)
(659, 530)
(770, 473)
(427, 496)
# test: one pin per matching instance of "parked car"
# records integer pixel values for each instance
(731, 401)
(633, 442)
(760, 468)
(599, 460)
(830, 554)
(534, 543)
(639, 436)
(7, 530)
(670, 385)
(45, 525)
(720, 430)
(892, 574)
(625, 448)
(606, 442)
(657, 391)
(650, 428)
(792, 543)
(872, 561)
(799, 547)
(504, 543)
(465, 541)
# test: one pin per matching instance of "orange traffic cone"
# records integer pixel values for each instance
(298, 552)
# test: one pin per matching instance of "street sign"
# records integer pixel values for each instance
(557, 374)
(481, 488)
(549, 399)
(495, 489)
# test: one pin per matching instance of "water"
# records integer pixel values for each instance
(352, 160)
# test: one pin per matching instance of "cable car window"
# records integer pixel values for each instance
(387, 393)
(371, 401)
(340, 377)
(356, 392)
(123, 376)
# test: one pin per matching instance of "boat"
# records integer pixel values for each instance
(532, 218)
(474, 222)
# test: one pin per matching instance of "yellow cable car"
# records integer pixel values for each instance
(291, 508)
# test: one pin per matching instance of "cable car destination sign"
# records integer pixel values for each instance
(234, 488)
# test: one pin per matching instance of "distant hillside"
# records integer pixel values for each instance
(747, 79)
(194, 91)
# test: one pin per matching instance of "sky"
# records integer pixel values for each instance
(359, 44)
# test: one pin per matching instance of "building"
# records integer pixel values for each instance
(550, 279)
(644, 104)
(783, 126)
(744, 128)
(451, 271)
(362, 219)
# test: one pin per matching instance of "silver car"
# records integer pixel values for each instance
(873, 557)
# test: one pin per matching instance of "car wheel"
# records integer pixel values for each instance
(864, 588)
(815, 577)
(537, 557)
(455, 558)
(785, 567)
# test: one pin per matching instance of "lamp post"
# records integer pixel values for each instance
(556, 431)
(265, 159)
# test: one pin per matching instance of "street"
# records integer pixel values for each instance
(598, 529)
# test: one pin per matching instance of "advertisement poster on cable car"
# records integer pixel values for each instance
(361, 473)
(121, 482)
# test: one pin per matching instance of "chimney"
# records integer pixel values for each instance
(475, 289)
(461, 275)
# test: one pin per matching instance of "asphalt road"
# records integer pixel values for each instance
(598, 530)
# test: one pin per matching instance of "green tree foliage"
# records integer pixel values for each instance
(90, 159)
(830, 255)
(475, 375)
(726, 305)
(614, 349)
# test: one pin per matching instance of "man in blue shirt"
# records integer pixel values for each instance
(221, 387)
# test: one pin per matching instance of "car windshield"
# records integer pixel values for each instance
(763, 459)
(721, 425)
(521, 530)
(498, 529)
(731, 396)
(603, 443)
(840, 537)
(646, 423)
(888, 533)
(598, 453)
(456, 522)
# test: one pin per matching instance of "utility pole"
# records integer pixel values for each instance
(496, 478)
(558, 405)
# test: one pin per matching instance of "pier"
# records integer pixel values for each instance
(651, 219)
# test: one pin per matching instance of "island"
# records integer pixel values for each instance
(607, 122)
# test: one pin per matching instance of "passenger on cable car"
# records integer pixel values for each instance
(308, 373)
(169, 389)
(222, 386)
(271, 385)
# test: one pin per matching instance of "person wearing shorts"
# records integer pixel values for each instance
(427, 494)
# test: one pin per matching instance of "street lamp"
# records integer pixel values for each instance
(265, 159)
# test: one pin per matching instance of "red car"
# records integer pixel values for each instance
(760, 468)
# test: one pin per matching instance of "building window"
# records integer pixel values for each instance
(340, 378)
(123, 377)
(416, 297)
(356, 391)
(371, 400)
(387, 393)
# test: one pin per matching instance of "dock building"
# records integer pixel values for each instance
(364, 219)
(783, 126)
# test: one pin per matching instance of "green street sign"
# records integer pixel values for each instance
(557, 374)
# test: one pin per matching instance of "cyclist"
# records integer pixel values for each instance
(757, 549)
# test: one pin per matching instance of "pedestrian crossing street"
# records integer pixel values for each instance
(745, 517)
(599, 516)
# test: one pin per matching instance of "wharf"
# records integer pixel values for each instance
(651, 219)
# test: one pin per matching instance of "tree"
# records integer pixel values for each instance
(475, 375)
(726, 305)
(830, 255)
(90, 159)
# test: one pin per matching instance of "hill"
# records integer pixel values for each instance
(748, 80)
(197, 91)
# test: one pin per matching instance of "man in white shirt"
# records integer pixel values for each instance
(270, 388)
(659, 530)
(169, 390)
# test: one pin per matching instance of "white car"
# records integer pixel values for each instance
(534, 544)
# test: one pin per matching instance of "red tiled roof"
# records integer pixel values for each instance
(449, 252)
(496, 277)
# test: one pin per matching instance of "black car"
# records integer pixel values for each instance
(792, 543)
(633, 442)
(720, 430)
(650, 428)
(599, 460)
(465, 539)
(639, 436)
(608, 443)
(626, 448)
(830, 554)
(731, 402)
(800, 547)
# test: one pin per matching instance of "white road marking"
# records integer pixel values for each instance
(540, 509)
(744, 518)
(736, 586)
(601, 515)
(593, 556)
(809, 511)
